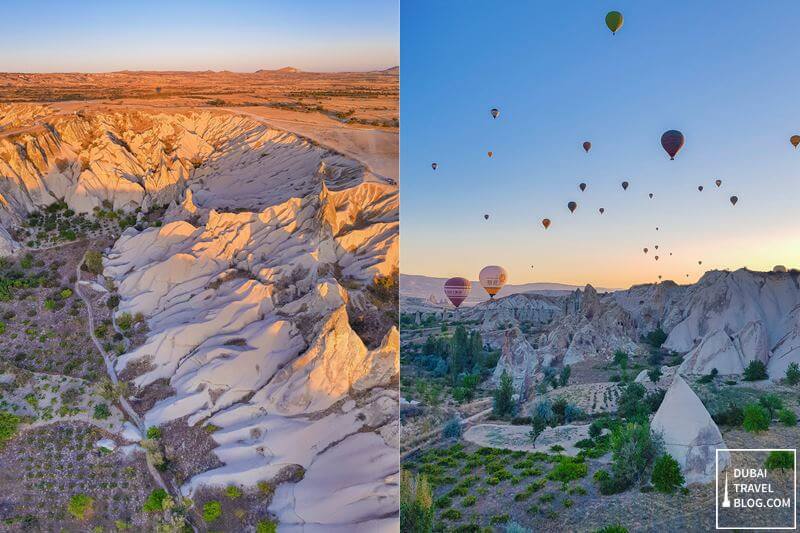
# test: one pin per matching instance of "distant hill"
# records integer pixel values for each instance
(391, 70)
(424, 286)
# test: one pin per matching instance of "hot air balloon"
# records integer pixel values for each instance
(614, 21)
(582, 187)
(602, 210)
(659, 277)
(624, 185)
(656, 258)
(587, 146)
(645, 250)
(490, 153)
(656, 228)
(795, 140)
(699, 262)
(492, 279)
(734, 199)
(656, 247)
(718, 182)
(650, 195)
(572, 206)
(457, 290)
(670, 253)
(672, 141)
(434, 165)
(546, 223)
(700, 188)
(486, 217)
(495, 112)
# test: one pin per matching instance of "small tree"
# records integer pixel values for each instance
(538, 424)
(772, 402)
(154, 503)
(787, 417)
(667, 476)
(94, 262)
(565, 372)
(654, 374)
(755, 371)
(780, 460)
(416, 504)
(452, 429)
(212, 511)
(621, 359)
(504, 396)
(793, 374)
(756, 418)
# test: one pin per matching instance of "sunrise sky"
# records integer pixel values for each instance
(559, 77)
(237, 35)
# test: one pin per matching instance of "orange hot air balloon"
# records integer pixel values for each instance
(546, 223)
(718, 182)
(492, 279)
(582, 187)
(734, 199)
(457, 289)
(434, 165)
(795, 140)
(572, 206)
(624, 185)
(602, 210)
(490, 153)
(587, 146)
(700, 188)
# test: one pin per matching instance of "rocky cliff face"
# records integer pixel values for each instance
(270, 242)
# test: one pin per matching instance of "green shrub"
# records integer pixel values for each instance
(772, 402)
(266, 526)
(452, 429)
(443, 502)
(154, 432)
(101, 411)
(756, 418)
(656, 338)
(233, 492)
(634, 450)
(732, 416)
(755, 371)
(568, 469)
(779, 460)
(450, 514)
(793, 374)
(94, 262)
(416, 503)
(667, 476)
(787, 417)
(616, 528)
(80, 506)
(654, 374)
(212, 511)
(503, 404)
(469, 501)
(155, 501)
(9, 423)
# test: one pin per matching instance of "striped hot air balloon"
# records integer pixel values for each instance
(672, 142)
(457, 289)
(492, 279)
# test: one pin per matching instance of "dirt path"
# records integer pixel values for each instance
(426, 440)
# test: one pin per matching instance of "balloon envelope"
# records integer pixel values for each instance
(546, 223)
(602, 210)
(490, 153)
(434, 165)
(572, 206)
(614, 21)
(624, 185)
(700, 188)
(718, 182)
(734, 199)
(492, 279)
(486, 217)
(587, 146)
(582, 186)
(495, 112)
(795, 140)
(650, 195)
(672, 141)
(457, 289)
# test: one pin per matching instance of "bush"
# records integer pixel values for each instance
(568, 469)
(503, 404)
(793, 374)
(233, 492)
(9, 423)
(266, 526)
(595, 429)
(667, 476)
(452, 429)
(634, 450)
(94, 262)
(212, 511)
(155, 501)
(772, 403)
(101, 411)
(787, 417)
(154, 432)
(616, 528)
(416, 504)
(779, 460)
(80, 506)
(656, 338)
(756, 418)
(732, 416)
(755, 371)
(450, 514)
(654, 374)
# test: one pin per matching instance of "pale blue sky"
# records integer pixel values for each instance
(238, 35)
(723, 72)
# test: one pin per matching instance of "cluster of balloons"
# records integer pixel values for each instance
(492, 278)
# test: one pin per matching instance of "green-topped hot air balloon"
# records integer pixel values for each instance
(614, 21)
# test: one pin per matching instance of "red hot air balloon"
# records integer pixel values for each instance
(572, 206)
(734, 199)
(624, 185)
(672, 141)
(546, 223)
(582, 187)
(457, 290)
(434, 165)
(587, 146)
